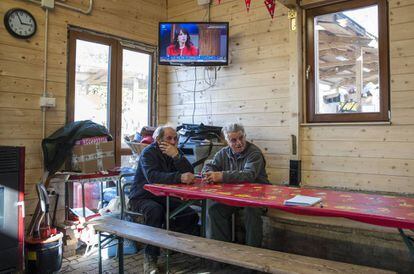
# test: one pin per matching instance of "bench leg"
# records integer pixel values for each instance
(121, 255)
(99, 253)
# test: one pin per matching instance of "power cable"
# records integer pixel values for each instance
(194, 94)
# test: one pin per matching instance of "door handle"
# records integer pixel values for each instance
(308, 68)
(21, 203)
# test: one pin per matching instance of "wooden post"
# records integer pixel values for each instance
(295, 80)
(359, 81)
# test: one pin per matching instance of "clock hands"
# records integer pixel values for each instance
(20, 20)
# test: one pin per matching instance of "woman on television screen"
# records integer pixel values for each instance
(182, 45)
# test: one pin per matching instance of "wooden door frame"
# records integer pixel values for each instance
(115, 86)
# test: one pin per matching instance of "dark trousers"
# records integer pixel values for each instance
(220, 223)
(154, 211)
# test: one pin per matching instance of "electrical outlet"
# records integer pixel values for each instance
(47, 102)
(49, 4)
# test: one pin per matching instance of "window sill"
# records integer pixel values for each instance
(346, 124)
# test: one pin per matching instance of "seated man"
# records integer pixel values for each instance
(161, 162)
(240, 161)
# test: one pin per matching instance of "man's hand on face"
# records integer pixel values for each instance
(213, 177)
(168, 149)
(187, 178)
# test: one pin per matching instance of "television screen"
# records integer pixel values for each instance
(193, 44)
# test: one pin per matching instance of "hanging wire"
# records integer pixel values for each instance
(191, 90)
(210, 81)
(194, 93)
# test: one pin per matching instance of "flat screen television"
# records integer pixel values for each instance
(193, 43)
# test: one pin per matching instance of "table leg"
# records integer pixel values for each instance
(66, 201)
(181, 208)
(233, 227)
(83, 199)
(101, 194)
(203, 217)
(120, 255)
(409, 242)
(121, 197)
(99, 253)
(167, 215)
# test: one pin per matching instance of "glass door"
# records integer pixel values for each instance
(136, 90)
(110, 83)
(92, 82)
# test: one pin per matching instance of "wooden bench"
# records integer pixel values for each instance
(240, 255)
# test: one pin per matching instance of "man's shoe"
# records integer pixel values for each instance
(150, 264)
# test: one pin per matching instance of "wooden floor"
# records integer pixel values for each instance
(179, 264)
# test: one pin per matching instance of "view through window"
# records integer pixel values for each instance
(346, 64)
(92, 82)
(348, 78)
(136, 70)
(110, 84)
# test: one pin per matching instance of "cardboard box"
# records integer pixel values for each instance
(93, 157)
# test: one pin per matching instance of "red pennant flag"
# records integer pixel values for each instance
(247, 4)
(219, 1)
(270, 5)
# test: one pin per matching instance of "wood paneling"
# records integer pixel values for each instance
(375, 158)
(21, 69)
(252, 90)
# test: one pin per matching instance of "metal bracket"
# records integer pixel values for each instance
(181, 208)
(21, 203)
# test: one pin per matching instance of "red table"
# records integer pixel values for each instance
(382, 210)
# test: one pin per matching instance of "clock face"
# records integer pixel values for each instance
(20, 23)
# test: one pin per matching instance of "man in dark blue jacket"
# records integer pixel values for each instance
(161, 162)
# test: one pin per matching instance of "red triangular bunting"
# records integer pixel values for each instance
(247, 4)
(270, 5)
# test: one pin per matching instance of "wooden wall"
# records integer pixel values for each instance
(252, 90)
(375, 158)
(21, 69)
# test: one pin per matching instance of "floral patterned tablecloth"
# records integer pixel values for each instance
(383, 210)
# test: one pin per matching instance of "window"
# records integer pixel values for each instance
(347, 62)
(111, 82)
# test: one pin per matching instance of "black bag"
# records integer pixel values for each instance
(57, 147)
(192, 132)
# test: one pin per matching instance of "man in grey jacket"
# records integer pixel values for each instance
(239, 162)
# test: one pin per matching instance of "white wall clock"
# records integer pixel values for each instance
(20, 23)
